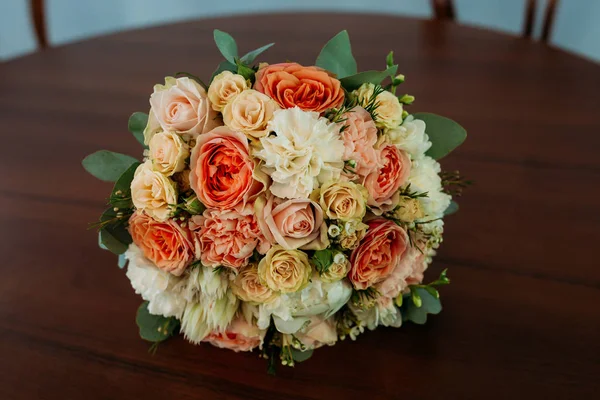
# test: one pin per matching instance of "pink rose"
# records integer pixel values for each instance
(318, 332)
(293, 223)
(239, 336)
(403, 274)
(360, 136)
(226, 238)
(181, 105)
(383, 183)
(222, 171)
(167, 244)
(382, 248)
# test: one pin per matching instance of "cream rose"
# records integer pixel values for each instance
(181, 105)
(224, 87)
(342, 200)
(168, 153)
(352, 234)
(153, 192)
(337, 270)
(410, 137)
(248, 288)
(284, 271)
(389, 110)
(249, 112)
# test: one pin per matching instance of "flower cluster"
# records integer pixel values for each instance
(281, 207)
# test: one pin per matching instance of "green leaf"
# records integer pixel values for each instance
(121, 193)
(154, 328)
(444, 134)
(322, 259)
(122, 261)
(226, 45)
(336, 56)
(114, 234)
(375, 77)
(418, 315)
(299, 355)
(137, 124)
(432, 291)
(249, 57)
(245, 71)
(107, 165)
(452, 208)
(111, 243)
(389, 60)
(415, 297)
(224, 66)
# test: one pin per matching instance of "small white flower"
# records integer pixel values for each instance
(339, 258)
(350, 227)
(334, 231)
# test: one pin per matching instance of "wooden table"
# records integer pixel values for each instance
(520, 319)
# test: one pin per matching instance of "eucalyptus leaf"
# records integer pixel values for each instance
(122, 261)
(121, 193)
(114, 234)
(154, 328)
(245, 71)
(444, 134)
(226, 44)
(299, 355)
(375, 77)
(111, 243)
(249, 57)
(452, 208)
(224, 66)
(107, 165)
(429, 305)
(336, 56)
(137, 124)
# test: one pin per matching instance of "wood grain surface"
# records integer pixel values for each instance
(521, 317)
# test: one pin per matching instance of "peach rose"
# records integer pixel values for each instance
(224, 87)
(383, 183)
(226, 238)
(181, 105)
(249, 112)
(222, 172)
(410, 264)
(238, 336)
(345, 201)
(291, 84)
(153, 192)
(248, 288)
(318, 332)
(284, 271)
(167, 244)
(360, 136)
(380, 251)
(294, 223)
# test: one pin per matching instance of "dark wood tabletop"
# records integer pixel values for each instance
(520, 319)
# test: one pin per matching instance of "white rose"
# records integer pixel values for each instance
(424, 177)
(249, 112)
(168, 152)
(224, 87)
(410, 137)
(389, 110)
(153, 192)
(162, 290)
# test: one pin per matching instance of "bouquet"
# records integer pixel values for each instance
(280, 207)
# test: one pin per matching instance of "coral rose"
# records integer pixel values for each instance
(359, 136)
(380, 251)
(238, 336)
(226, 238)
(167, 244)
(383, 183)
(284, 271)
(222, 173)
(294, 223)
(291, 84)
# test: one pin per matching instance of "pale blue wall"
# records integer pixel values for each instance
(576, 28)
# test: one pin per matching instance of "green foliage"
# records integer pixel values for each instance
(224, 66)
(136, 125)
(375, 77)
(301, 355)
(322, 260)
(452, 208)
(121, 193)
(249, 57)
(122, 261)
(336, 56)
(154, 328)
(113, 231)
(245, 71)
(107, 165)
(226, 44)
(417, 311)
(444, 134)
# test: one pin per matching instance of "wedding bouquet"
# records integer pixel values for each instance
(280, 207)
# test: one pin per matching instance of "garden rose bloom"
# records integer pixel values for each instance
(284, 271)
(249, 112)
(295, 223)
(226, 238)
(167, 244)
(153, 192)
(181, 105)
(359, 136)
(389, 111)
(337, 270)
(247, 286)
(398, 280)
(342, 200)
(224, 87)
(380, 251)
(384, 182)
(222, 171)
(238, 336)
(168, 153)
(291, 85)
(318, 332)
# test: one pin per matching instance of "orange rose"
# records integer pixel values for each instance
(222, 170)
(167, 244)
(383, 183)
(291, 84)
(382, 248)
